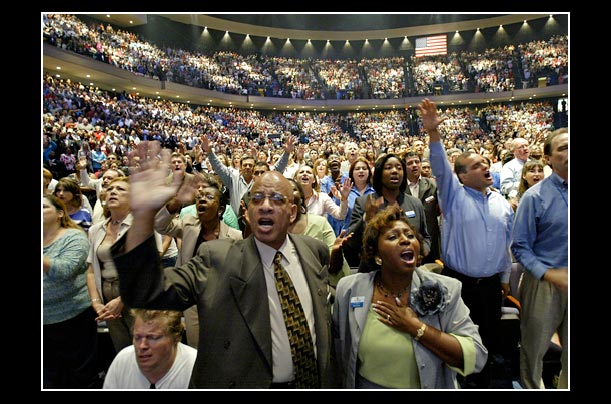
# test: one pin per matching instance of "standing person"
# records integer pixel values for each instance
(511, 172)
(540, 244)
(360, 175)
(157, 359)
(475, 232)
(425, 189)
(102, 277)
(390, 334)
(243, 343)
(319, 203)
(390, 185)
(207, 225)
(532, 173)
(318, 227)
(239, 182)
(100, 185)
(69, 191)
(70, 335)
(425, 169)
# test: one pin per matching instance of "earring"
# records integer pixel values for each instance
(378, 261)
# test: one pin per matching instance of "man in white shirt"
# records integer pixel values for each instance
(511, 173)
(157, 359)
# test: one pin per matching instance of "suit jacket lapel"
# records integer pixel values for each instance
(364, 289)
(190, 233)
(248, 287)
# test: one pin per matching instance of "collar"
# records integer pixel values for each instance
(268, 253)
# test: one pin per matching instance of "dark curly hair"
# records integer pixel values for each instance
(376, 226)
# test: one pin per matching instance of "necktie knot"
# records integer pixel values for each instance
(278, 258)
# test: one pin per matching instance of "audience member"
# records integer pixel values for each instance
(390, 185)
(69, 191)
(481, 260)
(400, 326)
(157, 359)
(511, 172)
(228, 280)
(540, 244)
(102, 277)
(210, 204)
(425, 189)
(69, 338)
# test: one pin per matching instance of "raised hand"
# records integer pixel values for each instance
(343, 238)
(430, 119)
(346, 188)
(289, 144)
(149, 187)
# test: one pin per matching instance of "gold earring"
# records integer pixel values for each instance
(378, 261)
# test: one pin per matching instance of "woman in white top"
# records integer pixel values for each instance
(320, 203)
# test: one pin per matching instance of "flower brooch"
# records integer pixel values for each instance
(430, 298)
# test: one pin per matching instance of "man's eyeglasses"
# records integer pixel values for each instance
(276, 199)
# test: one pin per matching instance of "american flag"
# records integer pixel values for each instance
(432, 45)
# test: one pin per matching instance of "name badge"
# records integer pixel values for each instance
(411, 214)
(357, 301)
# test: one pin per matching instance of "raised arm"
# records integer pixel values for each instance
(149, 190)
(430, 119)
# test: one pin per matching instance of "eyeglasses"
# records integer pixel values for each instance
(276, 199)
(209, 197)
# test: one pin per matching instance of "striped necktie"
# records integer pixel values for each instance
(297, 328)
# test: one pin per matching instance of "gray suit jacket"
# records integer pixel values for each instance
(226, 281)
(349, 323)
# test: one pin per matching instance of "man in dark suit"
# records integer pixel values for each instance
(243, 340)
(390, 184)
(425, 189)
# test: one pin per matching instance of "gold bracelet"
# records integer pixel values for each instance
(420, 332)
(95, 299)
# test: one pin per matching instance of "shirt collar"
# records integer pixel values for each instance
(268, 253)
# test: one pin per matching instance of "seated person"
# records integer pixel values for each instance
(157, 359)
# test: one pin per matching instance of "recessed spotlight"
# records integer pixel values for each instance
(57, 75)
(58, 67)
(131, 22)
(107, 15)
(88, 75)
(133, 88)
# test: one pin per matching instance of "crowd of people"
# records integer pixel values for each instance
(492, 70)
(227, 248)
(401, 217)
